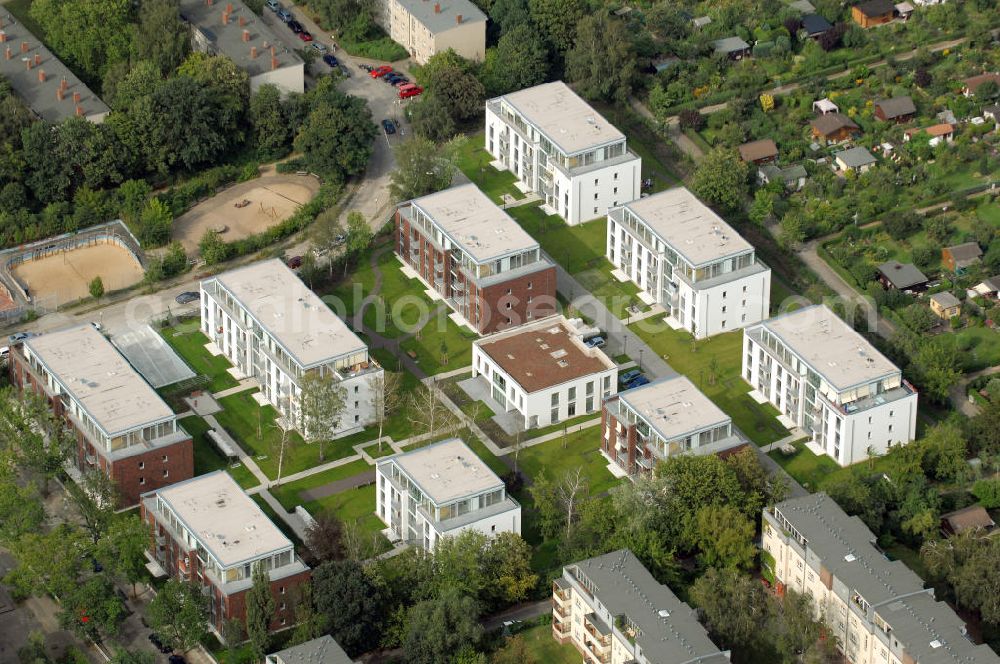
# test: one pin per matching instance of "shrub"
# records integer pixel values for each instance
(691, 119)
(988, 493)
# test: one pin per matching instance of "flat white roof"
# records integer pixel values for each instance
(475, 223)
(290, 312)
(830, 346)
(447, 471)
(566, 120)
(674, 407)
(226, 521)
(99, 378)
(689, 226)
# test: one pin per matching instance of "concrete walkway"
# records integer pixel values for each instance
(796, 434)
(554, 435)
(958, 392)
(339, 486)
(245, 385)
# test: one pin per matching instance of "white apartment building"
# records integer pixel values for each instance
(563, 150)
(878, 610)
(829, 380)
(614, 612)
(439, 491)
(544, 372)
(665, 418)
(273, 328)
(686, 258)
(426, 27)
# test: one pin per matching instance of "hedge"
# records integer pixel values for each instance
(182, 196)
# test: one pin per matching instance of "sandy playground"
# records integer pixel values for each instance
(65, 277)
(273, 198)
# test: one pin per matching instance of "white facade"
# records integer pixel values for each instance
(563, 150)
(827, 379)
(544, 372)
(687, 259)
(266, 322)
(440, 491)
(877, 609)
(427, 27)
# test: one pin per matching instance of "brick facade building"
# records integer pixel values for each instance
(122, 425)
(208, 531)
(469, 251)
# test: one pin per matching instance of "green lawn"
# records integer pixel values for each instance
(728, 390)
(816, 472)
(188, 341)
(985, 351)
(288, 494)
(354, 506)
(207, 458)
(577, 248)
(546, 649)
(581, 449)
(474, 161)
(241, 416)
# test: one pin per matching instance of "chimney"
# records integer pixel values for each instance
(274, 52)
(24, 47)
(38, 59)
(41, 75)
(246, 35)
(274, 63)
(458, 19)
(3, 37)
(243, 20)
(28, 63)
(63, 84)
(79, 111)
(437, 7)
(76, 97)
(59, 94)
(253, 52)
(8, 53)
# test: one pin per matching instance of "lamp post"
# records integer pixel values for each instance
(640, 358)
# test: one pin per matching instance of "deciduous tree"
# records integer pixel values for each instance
(323, 537)
(92, 608)
(558, 19)
(321, 403)
(421, 168)
(725, 537)
(601, 62)
(336, 139)
(162, 36)
(520, 60)
(123, 548)
(438, 628)
(259, 611)
(178, 614)
(352, 604)
(387, 397)
(721, 179)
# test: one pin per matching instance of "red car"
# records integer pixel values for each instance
(305, 36)
(295, 262)
(379, 72)
(407, 91)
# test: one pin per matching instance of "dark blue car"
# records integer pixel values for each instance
(330, 60)
(629, 376)
(637, 382)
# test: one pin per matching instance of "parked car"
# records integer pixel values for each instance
(339, 240)
(365, 67)
(176, 659)
(18, 336)
(4, 352)
(401, 81)
(319, 48)
(295, 262)
(284, 15)
(407, 91)
(158, 643)
(638, 381)
(305, 36)
(187, 297)
(391, 76)
(274, 5)
(379, 72)
(388, 127)
(628, 376)
(97, 326)
(330, 60)
(595, 342)
(295, 26)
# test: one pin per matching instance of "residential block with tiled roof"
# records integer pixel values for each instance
(427, 27)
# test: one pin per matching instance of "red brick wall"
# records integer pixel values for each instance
(234, 606)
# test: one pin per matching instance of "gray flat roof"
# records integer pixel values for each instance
(475, 223)
(288, 310)
(228, 39)
(946, 299)
(730, 45)
(566, 120)
(689, 226)
(445, 19)
(99, 378)
(855, 157)
(670, 631)
(928, 630)
(830, 346)
(674, 407)
(902, 275)
(226, 521)
(447, 471)
(41, 96)
(323, 650)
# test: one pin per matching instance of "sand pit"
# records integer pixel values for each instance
(273, 198)
(65, 277)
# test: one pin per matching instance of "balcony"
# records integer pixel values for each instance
(559, 610)
(560, 628)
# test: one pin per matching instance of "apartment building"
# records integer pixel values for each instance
(614, 612)
(544, 372)
(426, 27)
(122, 426)
(323, 650)
(273, 328)
(829, 380)
(208, 531)
(665, 418)
(476, 257)
(563, 150)
(46, 86)
(687, 259)
(878, 609)
(232, 29)
(439, 491)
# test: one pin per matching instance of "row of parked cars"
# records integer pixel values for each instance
(286, 17)
(629, 379)
(395, 79)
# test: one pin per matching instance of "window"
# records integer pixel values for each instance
(595, 209)
(616, 190)
(723, 309)
(616, 176)
(555, 398)
(142, 464)
(166, 473)
(595, 184)
(355, 389)
(530, 284)
(723, 324)
(509, 291)
(357, 419)
(723, 294)
(508, 305)
(357, 404)
(493, 528)
(142, 480)
(890, 428)
(165, 458)
(281, 590)
(595, 197)
(281, 607)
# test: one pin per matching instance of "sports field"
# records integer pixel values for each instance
(65, 276)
